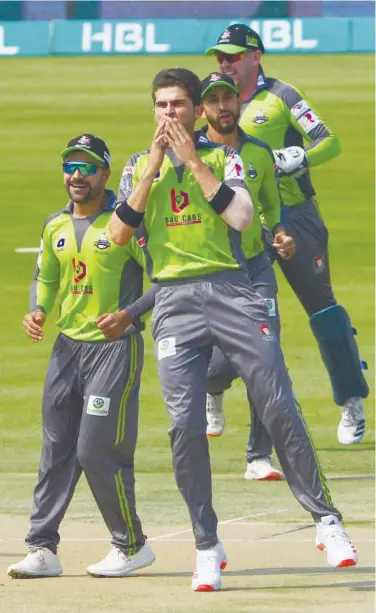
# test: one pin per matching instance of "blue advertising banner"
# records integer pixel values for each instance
(190, 36)
(24, 38)
(180, 36)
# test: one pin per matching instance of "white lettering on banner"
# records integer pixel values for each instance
(123, 38)
(6, 50)
(128, 37)
(281, 34)
(151, 45)
(299, 42)
(104, 37)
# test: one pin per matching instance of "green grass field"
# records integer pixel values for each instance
(45, 102)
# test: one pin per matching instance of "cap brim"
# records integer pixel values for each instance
(217, 84)
(227, 48)
(65, 152)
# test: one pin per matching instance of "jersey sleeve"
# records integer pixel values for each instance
(46, 281)
(128, 179)
(323, 144)
(234, 175)
(269, 195)
(134, 248)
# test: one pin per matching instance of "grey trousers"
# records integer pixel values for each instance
(308, 271)
(221, 373)
(189, 318)
(90, 422)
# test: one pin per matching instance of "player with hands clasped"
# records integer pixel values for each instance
(189, 208)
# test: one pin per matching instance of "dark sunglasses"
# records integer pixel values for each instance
(86, 169)
(236, 57)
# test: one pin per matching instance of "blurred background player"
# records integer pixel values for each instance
(221, 105)
(90, 396)
(189, 196)
(284, 118)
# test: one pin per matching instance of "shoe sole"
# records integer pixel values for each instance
(214, 435)
(17, 574)
(205, 588)
(346, 563)
(115, 575)
(269, 477)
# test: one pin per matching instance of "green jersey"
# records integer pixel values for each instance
(261, 181)
(90, 275)
(184, 236)
(282, 116)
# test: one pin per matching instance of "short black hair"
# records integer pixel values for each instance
(180, 77)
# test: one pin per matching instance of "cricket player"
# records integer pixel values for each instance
(90, 397)
(283, 117)
(191, 198)
(221, 105)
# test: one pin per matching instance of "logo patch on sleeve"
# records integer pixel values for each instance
(299, 108)
(308, 121)
(98, 405)
(166, 347)
(270, 303)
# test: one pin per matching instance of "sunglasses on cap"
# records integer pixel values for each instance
(236, 57)
(86, 169)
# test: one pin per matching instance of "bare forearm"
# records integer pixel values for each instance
(204, 177)
(239, 213)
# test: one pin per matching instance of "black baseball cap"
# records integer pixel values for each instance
(215, 79)
(92, 145)
(237, 38)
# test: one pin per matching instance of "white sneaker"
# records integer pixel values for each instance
(332, 538)
(352, 425)
(263, 469)
(39, 562)
(209, 562)
(118, 564)
(214, 414)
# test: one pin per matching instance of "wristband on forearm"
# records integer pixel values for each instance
(222, 198)
(128, 215)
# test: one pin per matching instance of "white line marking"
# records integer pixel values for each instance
(27, 250)
(190, 540)
(221, 523)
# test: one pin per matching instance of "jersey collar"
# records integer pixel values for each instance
(109, 206)
(205, 142)
(262, 83)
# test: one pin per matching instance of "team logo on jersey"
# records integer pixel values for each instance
(318, 264)
(266, 333)
(260, 118)
(60, 244)
(252, 172)
(80, 272)
(179, 201)
(102, 242)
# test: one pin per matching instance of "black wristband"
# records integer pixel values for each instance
(128, 215)
(222, 198)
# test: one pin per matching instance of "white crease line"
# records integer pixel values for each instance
(27, 250)
(190, 540)
(220, 523)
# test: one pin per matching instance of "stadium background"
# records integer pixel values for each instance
(45, 102)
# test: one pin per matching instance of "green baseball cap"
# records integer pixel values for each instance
(214, 80)
(237, 38)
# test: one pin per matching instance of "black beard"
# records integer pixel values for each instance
(224, 129)
(90, 195)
